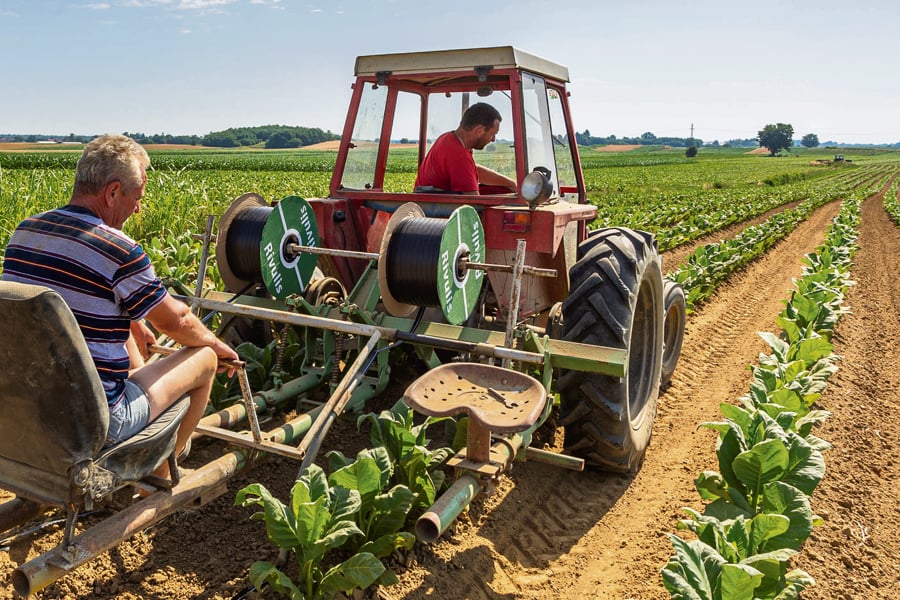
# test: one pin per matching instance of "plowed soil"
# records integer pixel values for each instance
(549, 533)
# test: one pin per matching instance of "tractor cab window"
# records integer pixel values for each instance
(359, 171)
(539, 151)
(445, 111)
(402, 152)
(562, 145)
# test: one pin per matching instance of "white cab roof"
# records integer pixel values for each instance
(501, 57)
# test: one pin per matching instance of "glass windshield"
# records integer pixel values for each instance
(565, 164)
(359, 172)
(538, 138)
(445, 112)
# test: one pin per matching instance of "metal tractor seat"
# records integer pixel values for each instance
(54, 415)
(496, 400)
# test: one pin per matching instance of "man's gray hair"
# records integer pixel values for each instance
(108, 158)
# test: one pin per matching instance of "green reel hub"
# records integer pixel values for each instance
(292, 221)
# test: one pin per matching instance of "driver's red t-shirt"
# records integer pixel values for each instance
(448, 166)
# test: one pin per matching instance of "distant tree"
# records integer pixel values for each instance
(691, 152)
(776, 137)
(282, 139)
(648, 138)
(810, 140)
(220, 139)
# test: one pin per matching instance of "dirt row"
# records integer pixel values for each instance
(548, 533)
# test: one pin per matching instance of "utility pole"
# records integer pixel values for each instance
(692, 132)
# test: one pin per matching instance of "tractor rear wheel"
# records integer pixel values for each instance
(676, 315)
(615, 300)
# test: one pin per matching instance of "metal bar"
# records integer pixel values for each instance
(295, 249)
(512, 316)
(478, 441)
(248, 441)
(166, 350)
(204, 258)
(336, 404)
(365, 330)
(552, 458)
(527, 269)
(247, 398)
(567, 355)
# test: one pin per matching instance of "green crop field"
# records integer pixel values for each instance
(644, 189)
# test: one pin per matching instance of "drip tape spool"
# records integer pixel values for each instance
(420, 263)
(252, 244)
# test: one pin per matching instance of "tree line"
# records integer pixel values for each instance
(645, 139)
(270, 136)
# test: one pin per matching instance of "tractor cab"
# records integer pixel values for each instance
(416, 97)
(401, 103)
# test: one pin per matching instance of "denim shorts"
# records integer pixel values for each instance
(130, 416)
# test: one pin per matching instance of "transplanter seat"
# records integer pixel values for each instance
(54, 416)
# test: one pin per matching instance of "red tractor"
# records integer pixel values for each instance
(608, 289)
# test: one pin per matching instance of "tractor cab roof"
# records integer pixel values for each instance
(425, 66)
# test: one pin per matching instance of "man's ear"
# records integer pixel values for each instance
(111, 191)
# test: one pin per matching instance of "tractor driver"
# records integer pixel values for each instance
(107, 280)
(449, 165)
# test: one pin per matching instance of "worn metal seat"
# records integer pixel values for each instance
(54, 415)
(496, 400)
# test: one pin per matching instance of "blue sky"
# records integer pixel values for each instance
(193, 66)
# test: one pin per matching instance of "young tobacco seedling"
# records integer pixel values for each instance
(318, 521)
(414, 464)
(382, 512)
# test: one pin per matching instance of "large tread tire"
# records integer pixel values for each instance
(615, 300)
(673, 330)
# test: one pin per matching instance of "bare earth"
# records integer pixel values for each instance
(548, 533)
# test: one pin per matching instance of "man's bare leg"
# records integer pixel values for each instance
(187, 371)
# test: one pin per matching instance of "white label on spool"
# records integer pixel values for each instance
(269, 252)
(445, 272)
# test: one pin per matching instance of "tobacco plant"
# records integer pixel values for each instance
(348, 512)
(758, 513)
(415, 465)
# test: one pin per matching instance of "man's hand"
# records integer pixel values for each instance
(225, 353)
(143, 338)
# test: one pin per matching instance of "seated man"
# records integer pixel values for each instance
(107, 280)
(449, 165)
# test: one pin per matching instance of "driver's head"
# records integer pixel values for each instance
(480, 113)
(483, 120)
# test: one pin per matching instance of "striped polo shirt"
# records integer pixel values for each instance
(103, 275)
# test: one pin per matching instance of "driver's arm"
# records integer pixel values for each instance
(488, 176)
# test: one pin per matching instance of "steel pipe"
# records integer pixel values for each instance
(445, 509)
(435, 521)
(229, 417)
